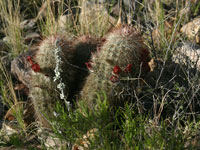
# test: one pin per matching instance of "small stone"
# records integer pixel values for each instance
(85, 141)
(21, 67)
(50, 140)
(192, 29)
(27, 24)
(32, 37)
(187, 54)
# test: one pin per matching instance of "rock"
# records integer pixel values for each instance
(188, 54)
(31, 38)
(84, 142)
(8, 134)
(50, 140)
(192, 29)
(21, 67)
(28, 24)
(6, 39)
(7, 130)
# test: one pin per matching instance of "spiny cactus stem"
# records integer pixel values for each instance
(58, 70)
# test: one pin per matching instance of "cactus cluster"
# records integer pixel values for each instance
(62, 67)
(122, 56)
(48, 78)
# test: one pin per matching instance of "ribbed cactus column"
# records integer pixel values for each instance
(121, 56)
(54, 77)
(54, 71)
(47, 59)
(61, 72)
(44, 98)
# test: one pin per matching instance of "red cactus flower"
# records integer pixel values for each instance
(29, 59)
(117, 70)
(35, 67)
(88, 65)
(128, 68)
(114, 78)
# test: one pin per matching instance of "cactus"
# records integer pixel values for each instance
(44, 97)
(46, 59)
(49, 80)
(119, 57)
(45, 55)
(44, 91)
(38, 68)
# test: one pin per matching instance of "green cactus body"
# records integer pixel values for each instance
(45, 55)
(122, 47)
(46, 59)
(39, 71)
(43, 102)
(44, 91)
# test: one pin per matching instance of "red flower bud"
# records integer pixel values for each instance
(29, 59)
(128, 68)
(35, 67)
(88, 65)
(114, 78)
(117, 70)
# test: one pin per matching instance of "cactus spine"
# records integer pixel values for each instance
(119, 57)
